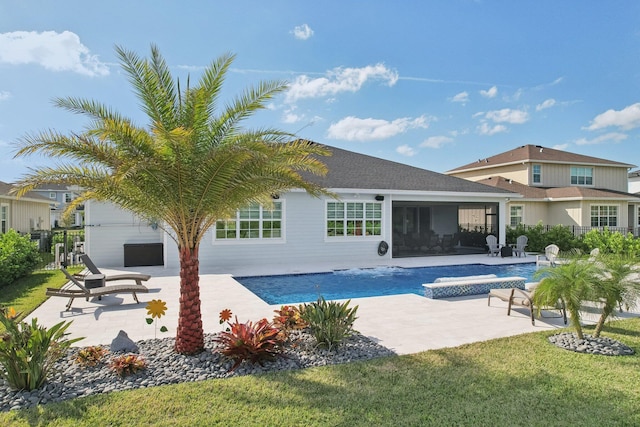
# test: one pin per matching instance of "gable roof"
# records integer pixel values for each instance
(5, 188)
(557, 193)
(348, 169)
(538, 154)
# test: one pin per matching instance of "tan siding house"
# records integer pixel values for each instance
(559, 187)
(26, 214)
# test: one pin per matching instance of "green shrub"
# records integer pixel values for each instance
(28, 351)
(611, 242)
(254, 342)
(58, 237)
(18, 256)
(330, 322)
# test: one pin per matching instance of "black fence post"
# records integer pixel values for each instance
(64, 250)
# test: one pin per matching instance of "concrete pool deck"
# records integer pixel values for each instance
(405, 323)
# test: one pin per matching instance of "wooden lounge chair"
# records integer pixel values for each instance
(138, 278)
(84, 292)
(520, 298)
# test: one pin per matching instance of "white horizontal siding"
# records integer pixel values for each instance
(108, 228)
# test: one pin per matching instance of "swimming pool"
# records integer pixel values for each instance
(359, 283)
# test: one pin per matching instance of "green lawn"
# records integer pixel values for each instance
(521, 380)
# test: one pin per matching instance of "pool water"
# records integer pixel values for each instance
(359, 283)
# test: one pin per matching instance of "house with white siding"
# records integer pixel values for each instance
(25, 214)
(60, 195)
(560, 188)
(384, 210)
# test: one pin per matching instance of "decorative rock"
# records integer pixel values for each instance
(602, 346)
(123, 344)
(68, 380)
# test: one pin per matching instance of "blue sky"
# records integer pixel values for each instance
(434, 84)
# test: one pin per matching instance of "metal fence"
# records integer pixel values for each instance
(59, 248)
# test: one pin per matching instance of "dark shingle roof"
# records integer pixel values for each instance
(5, 188)
(536, 153)
(348, 169)
(555, 193)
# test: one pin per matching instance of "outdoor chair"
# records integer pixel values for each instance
(550, 257)
(86, 292)
(138, 278)
(521, 243)
(520, 298)
(492, 244)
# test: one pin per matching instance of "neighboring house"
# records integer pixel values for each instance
(26, 214)
(60, 195)
(634, 182)
(559, 187)
(416, 212)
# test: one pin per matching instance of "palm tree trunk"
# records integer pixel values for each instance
(575, 321)
(606, 312)
(190, 335)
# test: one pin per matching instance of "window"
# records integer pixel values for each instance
(252, 222)
(52, 195)
(4, 218)
(536, 174)
(354, 219)
(67, 197)
(603, 216)
(581, 176)
(515, 216)
(638, 216)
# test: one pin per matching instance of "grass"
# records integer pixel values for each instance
(513, 381)
(26, 294)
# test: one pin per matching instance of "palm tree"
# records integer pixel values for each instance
(192, 165)
(572, 282)
(619, 285)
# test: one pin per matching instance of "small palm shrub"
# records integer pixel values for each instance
(330, 322)
(127, 364)
(28, 351)
(254, 342)
(90, 356)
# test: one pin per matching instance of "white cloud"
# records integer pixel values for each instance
(302, 32)
(485, 129)
(560, 147)
(546, 104)
(51, 50)
(602, 139)
(626, 119)
(290, 117)
(339, 80)
(405, 150)
(507, 115)
(355, 129)
(491, 93)
(4, 95)
(462, 97)
(436, 141)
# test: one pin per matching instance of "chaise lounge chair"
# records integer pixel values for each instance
(520, 298)
(85, 292)
(139, 278)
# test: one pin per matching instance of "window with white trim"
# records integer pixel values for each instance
(4, 218)
(536, 174)
(515, 215)
(603, 216)
(52, 195)
(638, 216)
(68, 197)
(351, 219)
(581, 176)
(252, 222)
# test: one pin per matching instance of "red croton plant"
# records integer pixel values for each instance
(255, 342)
